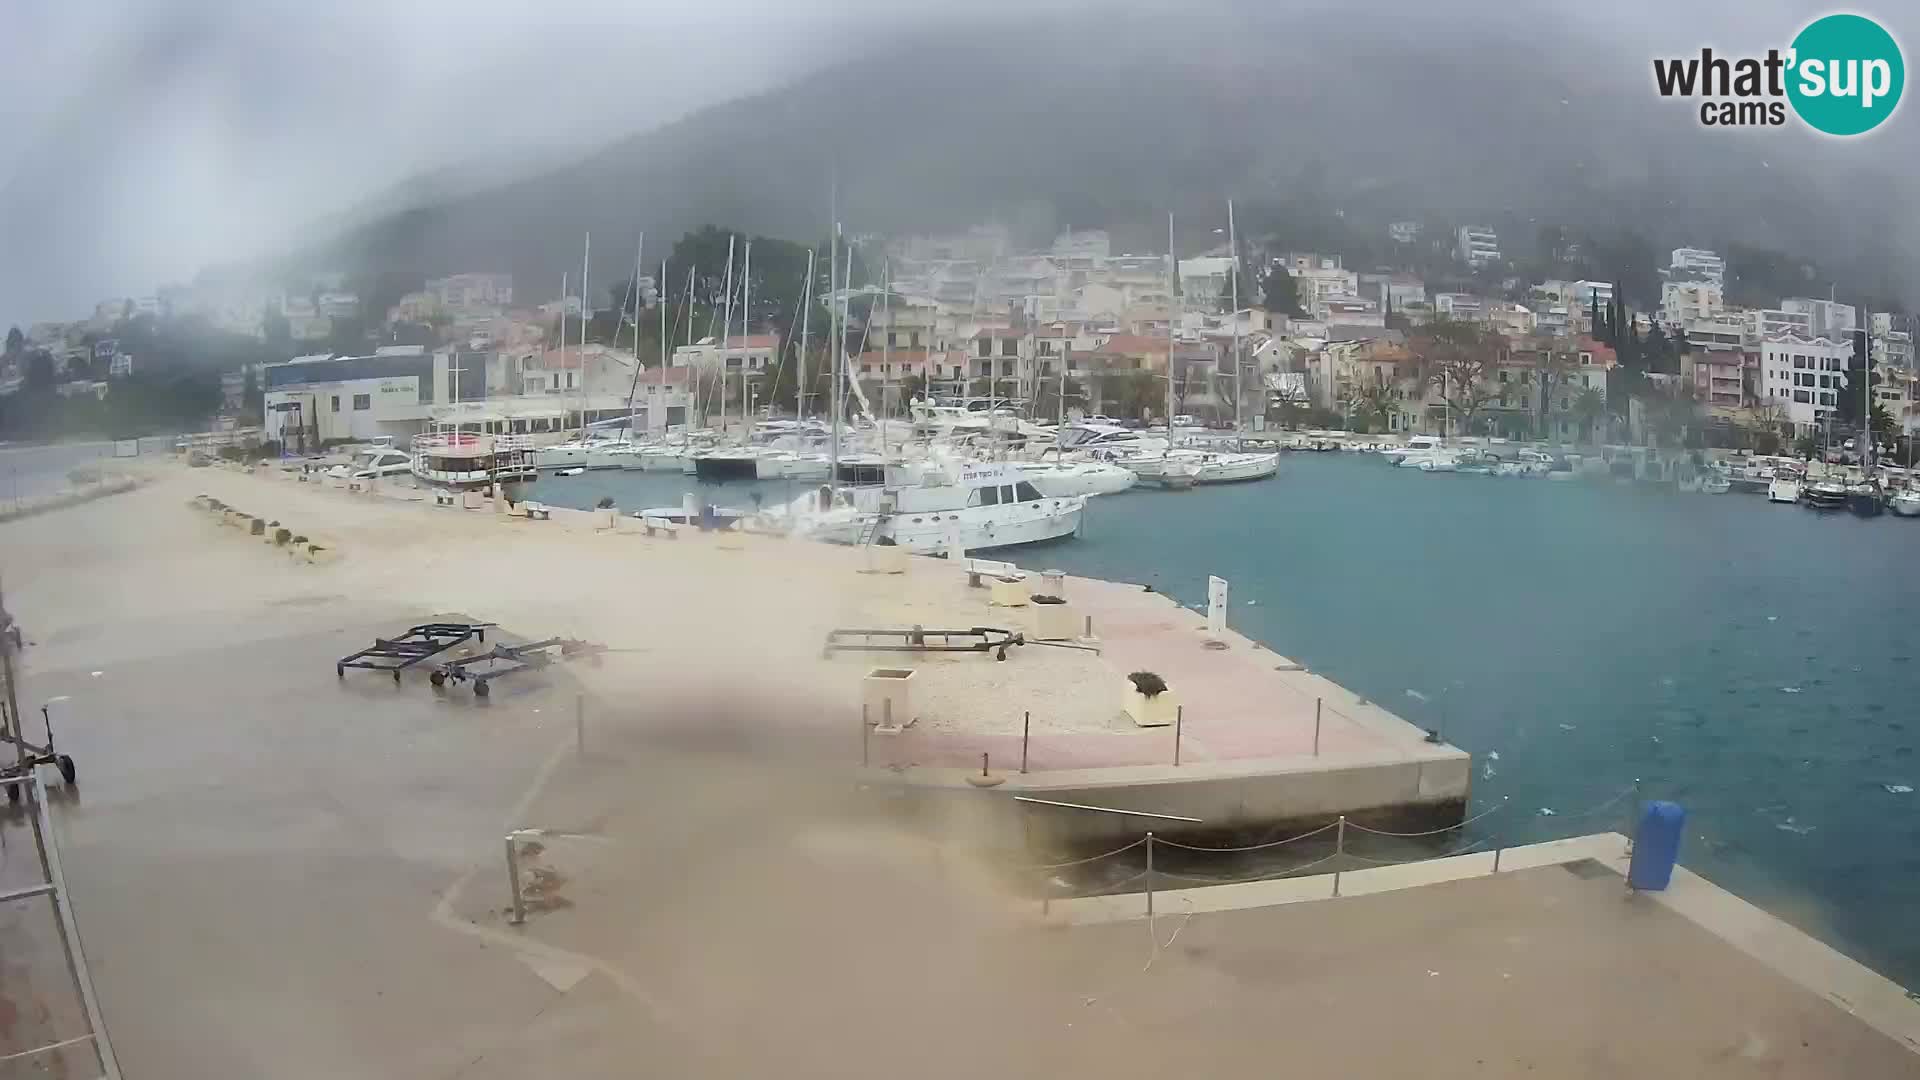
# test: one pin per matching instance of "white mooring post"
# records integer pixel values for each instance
(1216, 605)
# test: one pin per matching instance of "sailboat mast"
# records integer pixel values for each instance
(800, 378)
(746, 313)
(564, 281)
(586, 257)
(886, 347)
(663, 298)
(633, 392)
(726, 329)
(1173, 312)
(833, 357)
(1233, 249)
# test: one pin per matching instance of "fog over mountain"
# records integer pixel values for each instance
(1040, 116)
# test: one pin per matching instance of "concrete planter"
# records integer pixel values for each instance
(1002, 593)
(608, 518)
(1156, 711)
(887, 694)
(1055, 622)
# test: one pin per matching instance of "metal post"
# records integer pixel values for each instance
(1179, 720)
(1496, 860)
(1339, 849)
(1633, 814)
(580, 725)
(865, 731)
(513, 882)
(36, 793)
(1316, 727)
(1089, 626)
(1149, 878)
(983, 763)
(1026, 729)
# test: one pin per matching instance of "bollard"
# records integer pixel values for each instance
(1339, 849)
(1316, 727)
(865, 731)
(1026, 729)
(1179, 721)
(983, 763)
(1089, 634)
(1496, 860)
(1150, 881)
(580, 725)
(513, 882)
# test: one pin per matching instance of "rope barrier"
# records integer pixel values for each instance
(1251, 847)
(1244, 881)
(1503, 804)
(1464, 850)
(1090, 858)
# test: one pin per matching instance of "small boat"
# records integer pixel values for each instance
(573, 471)
(1783, 489)
(986, 505)
(1866, 500)
(1715, 483)
(1907, 503)
(1825, 495)
(1233, 468)
(465, 460)
(375, 462)
(1071, 478)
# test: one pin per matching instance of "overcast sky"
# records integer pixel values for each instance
(146, 138)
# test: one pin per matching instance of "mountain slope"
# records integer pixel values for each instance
(1054, 123)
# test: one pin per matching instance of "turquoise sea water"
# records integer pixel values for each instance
(1756, 663)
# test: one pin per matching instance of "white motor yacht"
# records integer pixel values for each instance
(1906, 503)
(1416, 445)
(991, 505)
(1227, 468)
(1069, 478)
(374, 462)
(1783, 489)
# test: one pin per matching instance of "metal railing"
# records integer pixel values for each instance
(55, 886)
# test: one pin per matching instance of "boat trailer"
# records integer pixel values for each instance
(419, 643)
(918, 639)
(510, 659)
(29, 756)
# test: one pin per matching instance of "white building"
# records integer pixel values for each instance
(1203, 281)
(1697, 264)
(1463, 307)
(1777, 322)
(755, 352)
(468, 292)
(1892, 343)
(1805, 377)
(1586, 294)
(1684, 302)
(1477, 245)
(1826, 318)
(314, 400)
(1404, 232)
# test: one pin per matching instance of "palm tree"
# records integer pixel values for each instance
(1588, 407)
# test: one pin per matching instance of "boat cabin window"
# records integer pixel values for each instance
(1024, 492)
(986, 496)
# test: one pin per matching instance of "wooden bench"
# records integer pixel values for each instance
(536, 512)
(979, 568)
(443, 498)
(659, 526)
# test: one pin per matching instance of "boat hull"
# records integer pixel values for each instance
(720, 468)
(1254, 467)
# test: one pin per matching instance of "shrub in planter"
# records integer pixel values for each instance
(256, 527)
(298, 541)
(605, 503)
(282, 536)
(1148, 684)
(1039, 599)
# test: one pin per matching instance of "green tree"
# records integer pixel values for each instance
(1458, 358)
(1132, 395)
(1551, 368)
(1279, 293)
(1589, 406)
(1882, 423)
(39, 373)
(1372, 403)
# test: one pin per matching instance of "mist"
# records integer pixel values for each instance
(148, 141)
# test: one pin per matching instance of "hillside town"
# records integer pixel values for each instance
(1272, 337)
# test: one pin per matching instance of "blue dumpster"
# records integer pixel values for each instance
(1656, 846)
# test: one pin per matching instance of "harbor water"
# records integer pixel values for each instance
(1754, 662)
